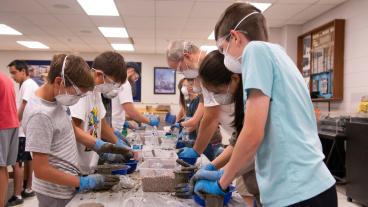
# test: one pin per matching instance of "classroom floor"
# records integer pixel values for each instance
(32, 202)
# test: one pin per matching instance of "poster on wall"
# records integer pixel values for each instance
(38, 70)
(164, 80)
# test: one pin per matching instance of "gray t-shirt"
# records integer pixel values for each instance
(49, 131)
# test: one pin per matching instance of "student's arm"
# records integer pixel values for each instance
(107, 133)
(194, 121)
(249, 139)
(44, 171)
(223, 158)
(82, 136)
(180, 114)
(133, 113)
(207, 128)
(21, 109)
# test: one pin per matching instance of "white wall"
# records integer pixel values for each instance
(355, 12)
(148, 63)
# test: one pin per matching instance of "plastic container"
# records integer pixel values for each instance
(123, 170)
(132, 164)
(159, 153)
(227, 197)
(157, 166)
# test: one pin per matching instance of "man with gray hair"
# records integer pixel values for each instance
(186, 57)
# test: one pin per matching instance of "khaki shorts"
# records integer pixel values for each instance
(240, 187)
(8, 146)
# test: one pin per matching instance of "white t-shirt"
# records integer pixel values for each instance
(90, 110)
(226, 115)
(118, 113)
(26, 91)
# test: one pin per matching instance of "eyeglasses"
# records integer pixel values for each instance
(78, 92)
(109, 80)
(221, 40)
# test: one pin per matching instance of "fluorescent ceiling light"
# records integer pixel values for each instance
(114, 32)
(99, 7)
(123, 47)
(6, 30)
(261, 6)
(33, 44)
(212, 36)
(208, 48)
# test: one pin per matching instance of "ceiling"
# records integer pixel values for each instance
(64, 26)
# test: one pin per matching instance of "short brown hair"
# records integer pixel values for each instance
(255, 25)
(112, 64)
(76, 69)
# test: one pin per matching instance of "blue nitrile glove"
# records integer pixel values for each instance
(126, 124)
(209, 167)
(203, 187)
(208, 175)
(153, 121)
(118, 134)
(106, 147)
(177, 125)
(188, 153)
(113, 158)
(97, 182)
(99, 144)
(122, 143)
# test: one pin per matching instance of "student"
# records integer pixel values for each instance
(19, 72)
(280, 126)
(50, 135)
(108, 72)
(186, 57)
(211, 67)
(8, 133)
(122, 104)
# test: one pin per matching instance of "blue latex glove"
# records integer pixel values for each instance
(118, 134)
(188, 153)
(97, 182)
(114, 158)
(208, 187)
(209, 167)
(177, 125)
(203, 174)
(126, 124)
(99, 144)
(122, 143)
(153, 121)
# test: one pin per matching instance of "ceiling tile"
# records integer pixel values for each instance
(74, 20)
(140, 8)
(173, 8)
(284, 11)
(106, 21)
(28, 6)
(208, 9)
(42, 19)
(139, 22)
(170, 23)
(141, 32)
(311, 12)
(61, 7)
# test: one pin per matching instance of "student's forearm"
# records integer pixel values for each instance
(250, 137)
(223, 158)
(82, 136)
(180, 115)
(134, 114)
(107, 133)
(207, 128)
(194, 121)
(44, 171)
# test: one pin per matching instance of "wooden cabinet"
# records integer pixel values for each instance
(320, 59)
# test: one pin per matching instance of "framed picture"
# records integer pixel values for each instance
(164, 80)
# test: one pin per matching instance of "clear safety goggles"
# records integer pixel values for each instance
(109, 80)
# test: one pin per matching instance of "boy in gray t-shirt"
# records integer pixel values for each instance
(50, 135)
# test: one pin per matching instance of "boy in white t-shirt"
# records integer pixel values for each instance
(122, 105)
(19, 72)
(88, 115)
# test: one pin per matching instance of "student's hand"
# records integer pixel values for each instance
(209, 167)
(176, 125)
(188, 153)
(203, 187)
(122, 141)
(105, 147)
(208, 175)
(153, 121)
(113, 158)
(97, 182)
